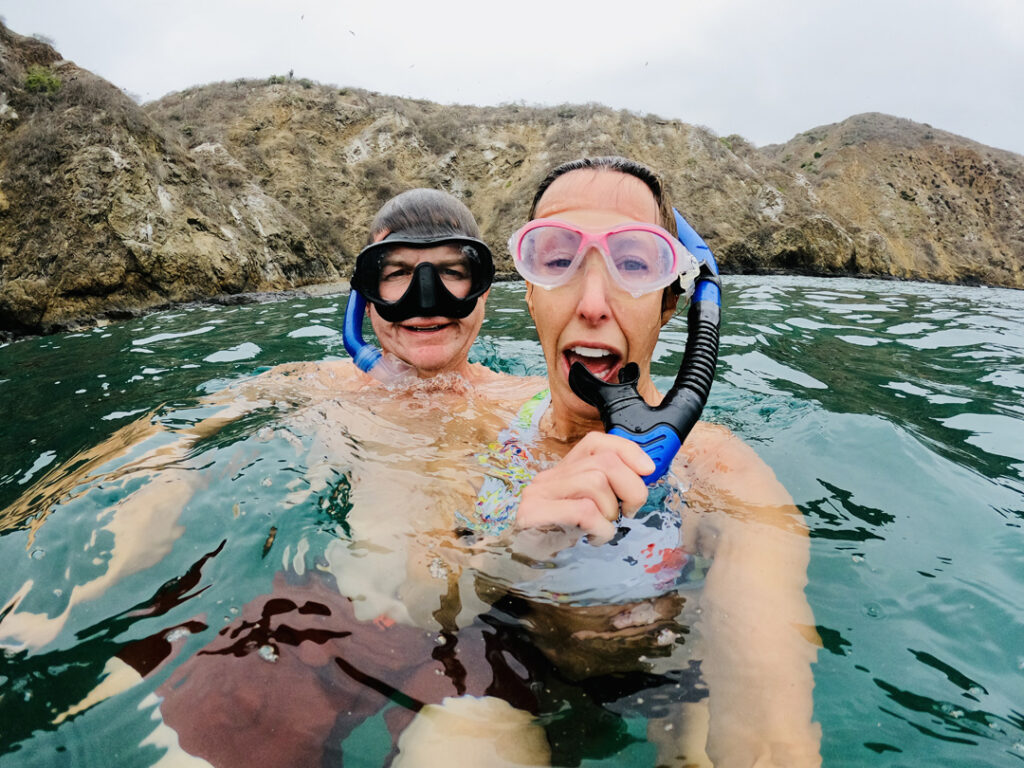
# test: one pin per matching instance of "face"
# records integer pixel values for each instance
(591, 319)
(432, 345)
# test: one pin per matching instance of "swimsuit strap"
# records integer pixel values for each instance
(508, 468)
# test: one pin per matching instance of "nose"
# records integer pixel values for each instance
(592, 306)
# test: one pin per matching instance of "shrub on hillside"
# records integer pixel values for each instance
(40, 79)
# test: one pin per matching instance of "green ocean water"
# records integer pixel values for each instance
(892, 412)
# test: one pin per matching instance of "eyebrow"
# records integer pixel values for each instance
(390, 260)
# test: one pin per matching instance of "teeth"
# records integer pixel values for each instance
(589, 352)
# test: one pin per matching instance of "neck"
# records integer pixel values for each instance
(567, 424)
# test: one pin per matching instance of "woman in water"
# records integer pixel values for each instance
(628, 603)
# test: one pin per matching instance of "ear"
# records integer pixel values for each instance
(669, 304)
(529, 300)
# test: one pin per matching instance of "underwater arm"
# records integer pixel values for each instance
(756, 623)
(143, 524)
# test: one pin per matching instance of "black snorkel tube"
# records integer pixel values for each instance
(660, 430)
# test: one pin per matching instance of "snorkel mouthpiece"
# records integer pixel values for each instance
(660, 430)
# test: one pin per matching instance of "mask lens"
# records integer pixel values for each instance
(547, 253)
(641, 258)
(454, 266)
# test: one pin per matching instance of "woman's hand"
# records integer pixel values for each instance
(601, 477)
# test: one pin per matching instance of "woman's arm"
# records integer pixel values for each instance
(756, 623)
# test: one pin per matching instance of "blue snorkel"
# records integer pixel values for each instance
(660, 430)
(367, 357)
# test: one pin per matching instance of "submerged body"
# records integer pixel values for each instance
(397, 574)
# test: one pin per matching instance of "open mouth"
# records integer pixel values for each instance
(426, 328)
(602, 363)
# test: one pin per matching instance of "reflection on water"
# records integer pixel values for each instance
(892, 413)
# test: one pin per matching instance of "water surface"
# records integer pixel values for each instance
(891, 411)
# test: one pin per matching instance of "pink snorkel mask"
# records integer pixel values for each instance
(641, 258)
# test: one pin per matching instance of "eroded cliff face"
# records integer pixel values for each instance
(107, 207)
(873, 195)
(100, 213)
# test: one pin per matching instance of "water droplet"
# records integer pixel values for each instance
(268, 653)
(669, 726)
(873, 610)
(38, 554)
(441, 640)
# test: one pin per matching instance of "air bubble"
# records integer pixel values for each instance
(177, 634)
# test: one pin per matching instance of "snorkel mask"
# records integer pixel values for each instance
(660, 430)
(425, 293)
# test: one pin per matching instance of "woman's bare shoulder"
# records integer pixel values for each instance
(721, 461)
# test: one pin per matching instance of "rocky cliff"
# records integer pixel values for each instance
(102, 213)
(109, 207)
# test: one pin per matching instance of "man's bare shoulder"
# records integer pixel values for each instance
(304, 380)
(505, 388)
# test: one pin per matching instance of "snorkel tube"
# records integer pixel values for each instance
(661, 430)
(386, 368)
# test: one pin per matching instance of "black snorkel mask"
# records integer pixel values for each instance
(427, 295)
(661, 430)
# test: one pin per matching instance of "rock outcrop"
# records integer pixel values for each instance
(107, 207)
(101, 213)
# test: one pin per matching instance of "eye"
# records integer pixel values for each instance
(554, 249)
(394, 272)
(455, 273)
(629, 264)
(556, 263)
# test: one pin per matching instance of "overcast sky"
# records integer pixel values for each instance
(765, 69)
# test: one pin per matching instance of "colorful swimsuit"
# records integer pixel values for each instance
(644, 559)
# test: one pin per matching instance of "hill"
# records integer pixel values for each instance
(108, 207)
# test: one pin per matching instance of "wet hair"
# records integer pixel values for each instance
(424, 213)
(614, 163)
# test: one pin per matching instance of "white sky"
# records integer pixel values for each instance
(765, 69)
